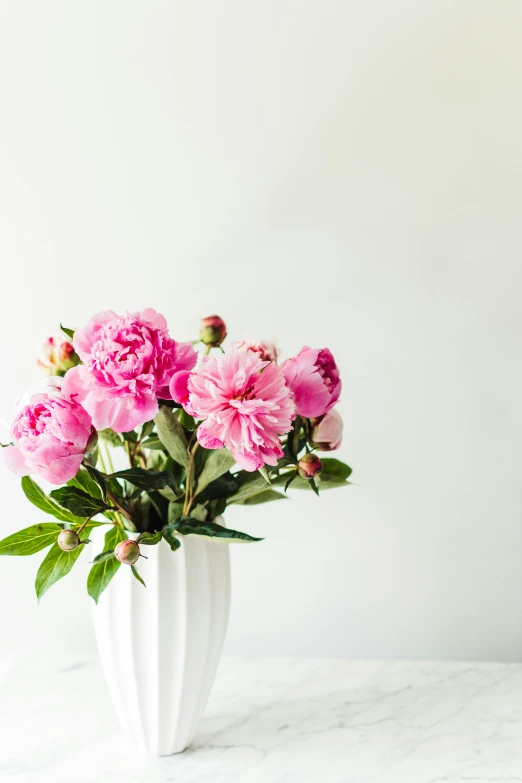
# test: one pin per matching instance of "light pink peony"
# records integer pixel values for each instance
(314, 379)
(327, 431)
(245, 404)
(265, 348)
(50, 436)
(129, 361)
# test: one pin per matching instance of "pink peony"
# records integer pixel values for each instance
(129, 361)
(245, 404)
(50, 436)
(327, 431)
(314, 379)
(265, 348)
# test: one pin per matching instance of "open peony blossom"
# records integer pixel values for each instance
(129, 361)
(315, 381)
(265, 348)
(50, 436)
(245, 406)
(327, 431)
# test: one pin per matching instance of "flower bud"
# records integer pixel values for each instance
(127, 552)
(327, 431)
(68, 540)
(57, 355)
(309, 466)
(212, 331)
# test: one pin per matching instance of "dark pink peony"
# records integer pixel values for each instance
(315, 381)
(50, 437)
(129, 361)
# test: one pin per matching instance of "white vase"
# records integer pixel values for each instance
(160, 645)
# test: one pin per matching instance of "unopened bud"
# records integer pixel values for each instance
(127, 552)
(212, 331)
(68, 540)
(309, 466)
(57, 355)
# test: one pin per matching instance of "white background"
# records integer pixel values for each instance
(333, 173)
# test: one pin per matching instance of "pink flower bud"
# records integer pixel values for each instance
(127, 552)
(327, 431)
(57, 355)
(313, 378)
(213, 330)
(68, 540)
(309, 466)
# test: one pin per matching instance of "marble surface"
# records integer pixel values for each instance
(275, 721)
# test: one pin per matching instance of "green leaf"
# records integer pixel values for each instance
(77, 501)
(68, 332)
(217, 507)
(146, 429)
(334, 467)
(55, 565)
(153, 443)
(30, 539)
(101, 573)
(187, 421)
(171, 540)
(250, 484)
(326, 481)
(104, 556)
(151, 539)
(263, 497)
(187, 526)
(99, 480)
(171, 434)
(148, 479)
(37, 496)
(223, 487)
(175, 511)
(219, 462)
(138, 577)
(83, 481)
(114, 438)
(199, 512)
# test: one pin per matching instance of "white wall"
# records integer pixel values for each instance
(339, 173)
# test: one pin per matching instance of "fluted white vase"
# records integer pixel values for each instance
(160, 645)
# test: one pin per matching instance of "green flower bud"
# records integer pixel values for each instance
(68, 540)
(213, 331)
(127, 552)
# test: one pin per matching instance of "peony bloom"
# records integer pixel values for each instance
(213, 330)
(314, 379)
(245, 404)
(50, 437)
(57, 355)
(129, 361)
(265, 348)
(327, 431)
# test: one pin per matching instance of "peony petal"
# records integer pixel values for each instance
(15, 461)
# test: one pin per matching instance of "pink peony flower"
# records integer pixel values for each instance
(314, 379)
(50, 436)
(265, 348)
(245, 404)
(57, 355)
(129, 361)
(327, 431)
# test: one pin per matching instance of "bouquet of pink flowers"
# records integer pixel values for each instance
(201, 430)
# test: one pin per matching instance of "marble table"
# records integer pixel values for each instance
(275, 721)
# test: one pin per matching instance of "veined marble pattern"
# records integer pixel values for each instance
(275, 721)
